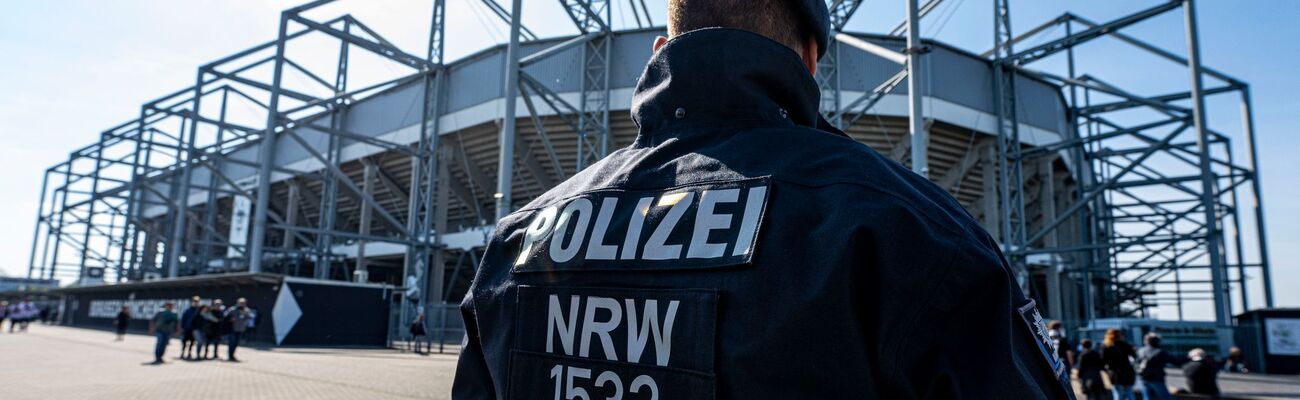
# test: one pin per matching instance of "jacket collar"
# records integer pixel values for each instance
(723, 77)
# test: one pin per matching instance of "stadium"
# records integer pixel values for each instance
(1108, 203)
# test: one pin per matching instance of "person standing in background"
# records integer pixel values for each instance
(1064, 349)
(121, 321)
(1202, 374)
(1151, 361)
(4, 314)
(1236, 361)
(219, 327)
(1090, 366)
(418, 332)
(200, 331)
(187, 328)
(238, 318)
(29, 313)
(252, 321)
(163, 325)
(1118, 356)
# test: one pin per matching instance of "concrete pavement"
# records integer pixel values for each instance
(50, 362)
(53, 363)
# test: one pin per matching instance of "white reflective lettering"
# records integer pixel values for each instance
(646, 382)
(559, 251)
(608, 379)
(749, 222)
(555, 321)
(655, 248)
(573, 391)
(541, 224)
(706, 220)
(598, 250)
(636, 337)
(634, 225)
(590, 326)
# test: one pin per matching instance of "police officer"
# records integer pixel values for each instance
(742, 248)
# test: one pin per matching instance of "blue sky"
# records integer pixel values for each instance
(73, 68)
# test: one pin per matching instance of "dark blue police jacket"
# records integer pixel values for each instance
(742, 249)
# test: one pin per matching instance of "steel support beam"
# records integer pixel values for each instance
(1222, 309)
(915, 113)
(266, 155)
(506, 141)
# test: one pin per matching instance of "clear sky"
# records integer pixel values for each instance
(70, 69)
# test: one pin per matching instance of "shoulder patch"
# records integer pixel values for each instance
(704, 225)
(1038, 329)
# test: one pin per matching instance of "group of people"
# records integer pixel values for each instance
(21, 313)
(1131, 370)
(200, 327)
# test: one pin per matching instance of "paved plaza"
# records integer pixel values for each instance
(51, 363)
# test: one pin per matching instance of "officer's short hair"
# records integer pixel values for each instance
(776, 19)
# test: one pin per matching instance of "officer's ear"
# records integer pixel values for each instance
(809, 54)
(660, 41)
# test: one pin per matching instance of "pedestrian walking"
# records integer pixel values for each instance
(20, 313)
(1151, 363)
(1090, 367)
(28, 312)
(218, 328)
(164, 325)
(121, 321)
(1202, 374)
(252, 322)
(187, 329)
(1118, 357)
(202, 319)
(1236, 361)
(418, 333)
(4, 315)
(1061, 341)
(238, 318)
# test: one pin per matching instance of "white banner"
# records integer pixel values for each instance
(239, 217)
(140, 309)
(1283, 336)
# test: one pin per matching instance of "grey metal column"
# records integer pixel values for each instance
(145, 146)
(505, 163)
(424, 182)
(989, 202)
(210, 205)
(1248, 122)
(182, 200)
(90, 216)
(62, 193)
(36, 229)
(362, 273)
(1047, 203)
(1240, 252)
(266, 157)
(291, 215)
(1213, 248)
(324, 265)
(916, 118)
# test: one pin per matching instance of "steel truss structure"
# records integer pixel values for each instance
(1112, 219)
(1156, 185)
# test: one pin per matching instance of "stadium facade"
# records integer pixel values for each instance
(1106, 202)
